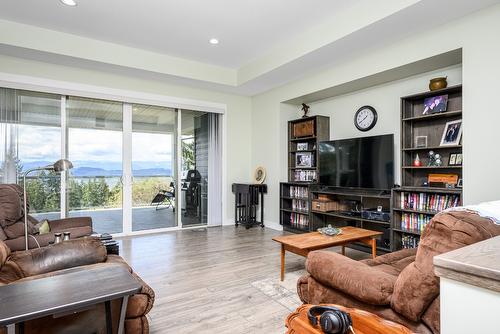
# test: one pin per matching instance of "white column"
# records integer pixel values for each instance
(127, 168)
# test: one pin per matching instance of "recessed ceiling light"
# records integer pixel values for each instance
(214, 41)
(71, 3)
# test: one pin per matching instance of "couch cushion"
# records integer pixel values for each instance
(417, 286)
(11, 204)
(352, 277)
(4, 253)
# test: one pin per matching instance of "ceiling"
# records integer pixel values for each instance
(245, 29)
(263, 43)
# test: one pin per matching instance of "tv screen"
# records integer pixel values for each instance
(366, 162)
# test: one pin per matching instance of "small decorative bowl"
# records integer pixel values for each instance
(438, 83)
(329, 230)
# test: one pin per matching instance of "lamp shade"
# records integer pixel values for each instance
(62, 165)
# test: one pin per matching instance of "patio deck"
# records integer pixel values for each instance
(110, 220)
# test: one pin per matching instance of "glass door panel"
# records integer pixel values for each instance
(153, 167)
(30, 130)
(95, 149)
(194, 167)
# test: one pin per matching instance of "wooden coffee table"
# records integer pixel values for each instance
(302, 244)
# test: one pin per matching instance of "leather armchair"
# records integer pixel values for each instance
(399, 286)
(12, 222)
(70, 256)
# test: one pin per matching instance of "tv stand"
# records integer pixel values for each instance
(352, 201)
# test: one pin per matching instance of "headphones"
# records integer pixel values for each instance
(332, 320)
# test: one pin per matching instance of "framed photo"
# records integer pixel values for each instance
(420, 141)
(455, 159)
(460, 183)
(452, 133)
(303, 159)
(435, 104)
(302, 147)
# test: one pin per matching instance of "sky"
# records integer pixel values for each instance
(92, 145)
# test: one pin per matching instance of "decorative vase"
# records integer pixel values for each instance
(438, 83)
(66, 236)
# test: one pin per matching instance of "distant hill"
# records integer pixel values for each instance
(109, 169)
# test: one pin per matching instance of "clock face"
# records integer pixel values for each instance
(365, 118)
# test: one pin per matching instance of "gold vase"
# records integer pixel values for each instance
(438, 83)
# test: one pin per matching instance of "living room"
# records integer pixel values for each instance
(138, 131)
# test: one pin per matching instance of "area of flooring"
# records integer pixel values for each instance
(203, 279)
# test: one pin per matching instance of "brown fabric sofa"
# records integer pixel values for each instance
(70, 256)
(12, 222)
(399, 286)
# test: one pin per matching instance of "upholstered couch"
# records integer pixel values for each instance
(399, 286)
(71, 256)
(12, 222)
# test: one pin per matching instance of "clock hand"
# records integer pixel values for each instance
(363, 119)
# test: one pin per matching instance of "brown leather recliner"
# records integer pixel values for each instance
(12, 222)
(71, 256)
(399, 286)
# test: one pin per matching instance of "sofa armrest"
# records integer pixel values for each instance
(60, 225)
(67, 254)
(352, 277)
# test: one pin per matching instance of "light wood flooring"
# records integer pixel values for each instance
(202, 279)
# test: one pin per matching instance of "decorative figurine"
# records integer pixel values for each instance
(434, 159)
(305, 109)
(417, 162)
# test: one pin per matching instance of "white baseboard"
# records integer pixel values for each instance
(268, 224)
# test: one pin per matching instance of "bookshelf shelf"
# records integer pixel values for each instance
(405, 231)
(433, 116)
(433, 148)
(432, 167)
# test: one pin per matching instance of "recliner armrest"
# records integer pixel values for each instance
(352, 277)
(67, 254)
(60, 225)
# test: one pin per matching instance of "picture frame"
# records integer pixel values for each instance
(460, 183)
(302, 146)
(303, 159)
(421, 141)
(455, 159)
(435, 104)
(452, 133)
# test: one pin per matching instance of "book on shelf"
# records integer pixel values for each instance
(428, 202)
(300, 205)
(299, 221)
(299, 192)
(409, 241)
(414, 222)
(304, 175)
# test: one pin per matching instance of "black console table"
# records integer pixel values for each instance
(246, 203)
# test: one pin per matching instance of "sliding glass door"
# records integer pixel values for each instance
(94, 146)
(153, 162)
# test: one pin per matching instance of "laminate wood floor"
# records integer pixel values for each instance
(202, 278)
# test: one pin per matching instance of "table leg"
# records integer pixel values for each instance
(109, 323)
(123, 311)
(343, 250)
(374, 248)
(282, 262)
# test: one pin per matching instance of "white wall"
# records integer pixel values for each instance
(475, 34)
(238, 115)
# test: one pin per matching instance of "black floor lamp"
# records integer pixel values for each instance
(58, 166)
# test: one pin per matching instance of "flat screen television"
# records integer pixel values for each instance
(366, 162)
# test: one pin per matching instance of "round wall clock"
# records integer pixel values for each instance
(365, 118)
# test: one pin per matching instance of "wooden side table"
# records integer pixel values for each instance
(363, 322)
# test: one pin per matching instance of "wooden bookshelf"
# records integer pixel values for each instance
(414, 123)
(312, 130)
